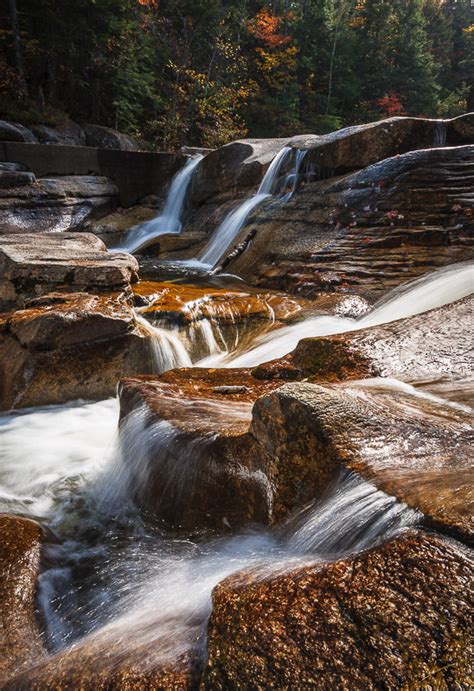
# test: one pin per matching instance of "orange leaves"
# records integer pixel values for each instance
(265, 28)
(152, 4)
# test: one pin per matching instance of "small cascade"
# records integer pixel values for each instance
(440, 134)
(169, 220)
(229, 229)
(355, 518)
(273, 185)
(424, 294)
(167, 347)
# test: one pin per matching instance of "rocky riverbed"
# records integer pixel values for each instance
(254, 471)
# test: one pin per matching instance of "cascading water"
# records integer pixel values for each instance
(125, 592)
(169, 220)
(440, 134)
(437, 289)
(272, 185)
(168, 350)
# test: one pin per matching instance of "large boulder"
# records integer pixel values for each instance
(14, 132)
(69, 346)
(36, 264)
(189, 460)
(412, 446)
(54, 204)
(397, 616)
(367, 232)
(68, 134)
(105, 138)
(235, 166)
(20, 641)
(362, 145)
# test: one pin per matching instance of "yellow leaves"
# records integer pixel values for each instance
(469, 29)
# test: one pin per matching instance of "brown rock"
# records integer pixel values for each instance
(69, 346)
(194, 464)
(33, 265)
(20, 641)
(397, 616)
(94, 666)
(413, 448)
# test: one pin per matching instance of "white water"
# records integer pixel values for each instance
(147, 598)
(169, 220)
(47, 452)
(271, 185)
(167, 347)
(228, 230)
(429, 292)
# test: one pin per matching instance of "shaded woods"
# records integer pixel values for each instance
(203, 72)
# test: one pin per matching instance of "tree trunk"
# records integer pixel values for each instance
(21, 81)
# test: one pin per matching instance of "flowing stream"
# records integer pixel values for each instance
(127, 591)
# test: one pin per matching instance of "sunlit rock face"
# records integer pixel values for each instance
(407, 443)
(395, 616)
(20, 640)
(65, 346)
(366, 232)
(33, 265)
(427, 346)
(55, 203)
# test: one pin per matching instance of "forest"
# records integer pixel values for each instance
(205, 72)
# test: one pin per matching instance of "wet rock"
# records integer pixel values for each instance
(184, 303)
(240, 164)
(362, 145)
(112, 228)
(369, 231)
(68, 134)
(194, 465)
(412, 447)
(14, 132)
(394, 617)
(69, 346)
(54, 204)
(20, 641)
(105, 138)
(428, 345)
(96, 665)
(35, 264)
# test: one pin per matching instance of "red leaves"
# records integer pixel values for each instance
(391, 104)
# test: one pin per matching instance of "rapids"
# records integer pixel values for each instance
(428, 292)
(130, 591)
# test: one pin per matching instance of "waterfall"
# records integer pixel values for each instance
(169, 220)
(271, 185)
(426, 293)
(167, 348)
(440, 134)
